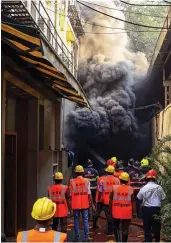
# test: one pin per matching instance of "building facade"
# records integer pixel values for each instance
(160, 70)
(39, 72)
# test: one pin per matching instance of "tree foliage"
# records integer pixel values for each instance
(144, 41)
(160, 159)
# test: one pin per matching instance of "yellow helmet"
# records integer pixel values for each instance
(43, 209)
(110, 169)
(58, 176)
(144, 162)
(79, 169)
(124, 176)
(114, 159)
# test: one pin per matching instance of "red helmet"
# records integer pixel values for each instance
(151, 174)
(110, 162)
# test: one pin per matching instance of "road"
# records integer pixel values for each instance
(136, 233)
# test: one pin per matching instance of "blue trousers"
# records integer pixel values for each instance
(84, 213)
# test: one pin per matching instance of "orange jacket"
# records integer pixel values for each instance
(121, 204)
(37, 236)
(57, 193)
(118, 173)
(79, 193)
(108, 183)
(101, 178)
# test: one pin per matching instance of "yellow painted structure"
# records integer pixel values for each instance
(162, 124)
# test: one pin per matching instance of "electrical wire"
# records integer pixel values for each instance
(167, 2)
(144, 5)
(107, 27)
(146, 26)
(125, 11)
(147, 106)
(96, 33)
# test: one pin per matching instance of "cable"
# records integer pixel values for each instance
(125, 11)
(144, 5)
(146, 26)
(100, 25)
(166, 2)
(96, 33)
(147, 106)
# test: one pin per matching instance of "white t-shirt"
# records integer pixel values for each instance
(151, 194)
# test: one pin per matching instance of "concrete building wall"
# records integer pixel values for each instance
(45, 166)
(162, 125)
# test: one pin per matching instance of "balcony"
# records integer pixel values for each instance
(34, 14)
(75, 17)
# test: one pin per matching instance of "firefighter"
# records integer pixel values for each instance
(99, 201)
(58, 193)
(122, 206)
(119, 168)
(135, 174)
(81, 200)
(151, 196)
(129, 168)
(105, 188)
(91, 174)
(43, 212)
(144, 166)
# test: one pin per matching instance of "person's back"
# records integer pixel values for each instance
(144, 169)
(79, 193)
(107, 183)
(34, 235)
(91, 174)
(43, 212)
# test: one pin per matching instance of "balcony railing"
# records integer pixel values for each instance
(47, 28)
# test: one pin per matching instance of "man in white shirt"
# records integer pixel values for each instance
(151, 196)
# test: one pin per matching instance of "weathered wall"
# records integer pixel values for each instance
(45, 166)
(162, 124)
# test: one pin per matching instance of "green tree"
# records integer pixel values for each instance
(144, 41)
(160, 159)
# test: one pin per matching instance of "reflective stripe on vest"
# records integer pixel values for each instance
(62, 196)
(79, 189)
(116, 197)
(57, 237)
(25, 237)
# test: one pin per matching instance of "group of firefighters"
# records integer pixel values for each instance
(114, 192)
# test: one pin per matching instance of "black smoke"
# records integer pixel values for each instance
(115, 82)
(111, 128)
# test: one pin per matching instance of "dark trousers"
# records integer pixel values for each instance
(151, 223)
(63, 224)
(109, 218)
(125, 229)
(99, 209)
(90, 212)
(93, 193)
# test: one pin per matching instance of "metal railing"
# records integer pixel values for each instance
(47, 28)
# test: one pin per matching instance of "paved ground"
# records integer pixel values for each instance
(135, 235)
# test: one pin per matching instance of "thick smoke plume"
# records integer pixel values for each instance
(108, 71)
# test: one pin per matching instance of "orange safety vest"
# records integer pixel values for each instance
(118, 173)
(121, 204)
(57, 193)
(37, 236)
(79, 193)
(97, 191)
(108, 183)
